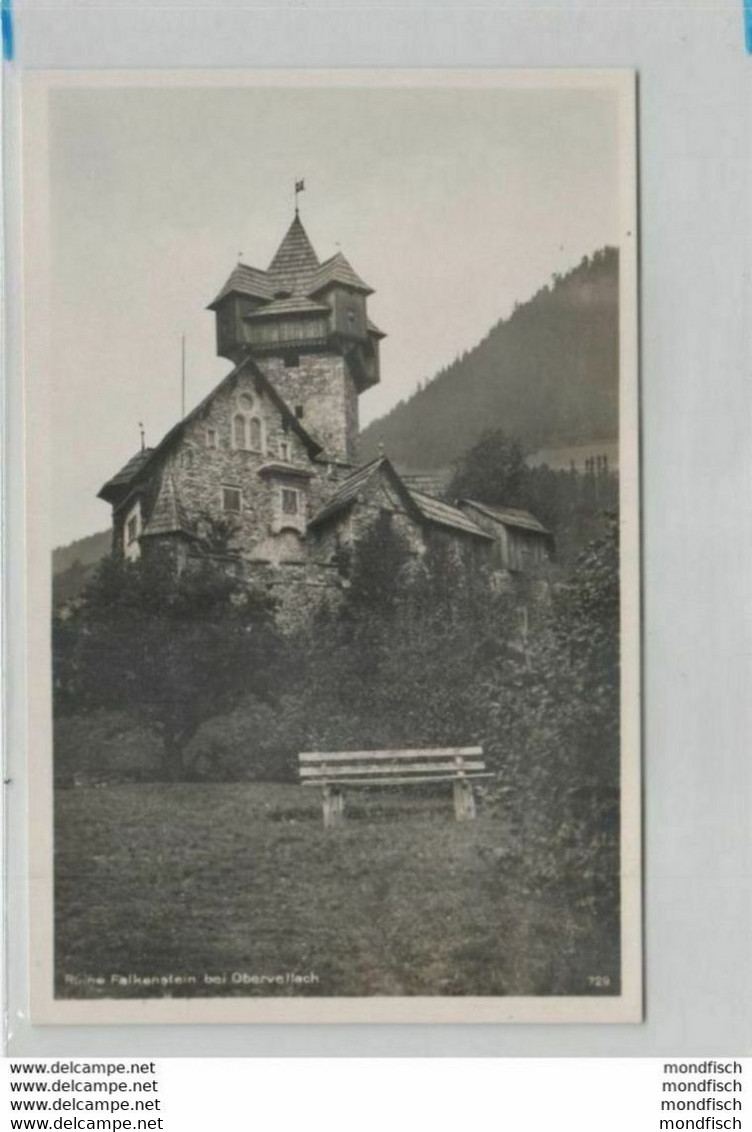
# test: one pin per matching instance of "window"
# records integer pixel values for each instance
(211, 438)
(291, 359)
(256, 435)
(245, 401)
(289, 510)
(132, 532)
(284, 449)
(299, 412)
(239, 431)
(289, 501)
(231, 500)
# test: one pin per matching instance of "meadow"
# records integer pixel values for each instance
(220, 878)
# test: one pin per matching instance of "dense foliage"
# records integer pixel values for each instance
(173, 649)
(570, 504)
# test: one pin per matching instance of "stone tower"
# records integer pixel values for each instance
(306, 325)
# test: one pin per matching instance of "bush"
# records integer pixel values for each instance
(104, 745)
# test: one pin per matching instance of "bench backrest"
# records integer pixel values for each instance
(390, 768)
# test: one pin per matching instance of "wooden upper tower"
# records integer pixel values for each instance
(299, 305)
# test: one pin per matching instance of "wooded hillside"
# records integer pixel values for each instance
(547, 375)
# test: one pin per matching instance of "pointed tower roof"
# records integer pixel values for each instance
(168, 515)
(245, 280)
(338, 270)
(295, 262)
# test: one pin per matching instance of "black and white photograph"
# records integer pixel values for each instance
(331, 384)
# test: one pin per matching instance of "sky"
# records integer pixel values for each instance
(452, 203)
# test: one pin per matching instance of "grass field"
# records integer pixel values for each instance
(197, 880)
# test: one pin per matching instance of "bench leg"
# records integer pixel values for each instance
(334, 806)
(464, 800)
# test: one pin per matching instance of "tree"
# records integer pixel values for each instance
(554, 719)
(493, 470)
(175, 649)
(378, 566)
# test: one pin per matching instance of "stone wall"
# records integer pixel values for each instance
(322, 385)
(201, 471)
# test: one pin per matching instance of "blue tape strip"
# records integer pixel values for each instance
(6, 18)
(748, 25)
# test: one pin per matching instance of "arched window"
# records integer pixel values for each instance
(257, 437)
(239, 433)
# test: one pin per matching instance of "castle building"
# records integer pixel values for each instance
(270, 455)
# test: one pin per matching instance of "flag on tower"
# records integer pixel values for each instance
(299, 186)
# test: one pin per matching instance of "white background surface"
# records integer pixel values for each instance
(574, 1095)
(694, 125)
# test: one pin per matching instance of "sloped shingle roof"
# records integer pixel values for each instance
(347, 492)
(337, 269)
(296, 275)
(446, 516)
(122, 479)
(295, 262)
(423, 507)
(246, 280)
(168, 515)
(509, 516)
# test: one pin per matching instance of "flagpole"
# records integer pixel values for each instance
(182, 377)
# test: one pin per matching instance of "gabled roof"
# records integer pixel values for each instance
(247, 364)
(337, 269)
(119, 483)
(509, 516)
(295, 262)
(168, 515)
(434, 511)
(422, 507)
(245, 280)
(347, 493)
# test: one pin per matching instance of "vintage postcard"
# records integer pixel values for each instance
(333, 546)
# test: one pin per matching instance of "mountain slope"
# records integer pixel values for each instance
(73, 565)
(86, 551)
(547, 375)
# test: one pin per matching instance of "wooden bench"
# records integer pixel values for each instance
(332, 771)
